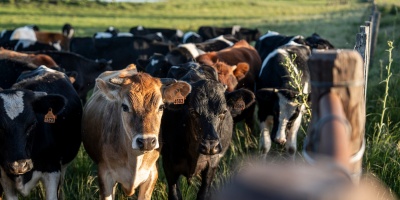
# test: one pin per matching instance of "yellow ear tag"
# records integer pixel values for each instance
(50, 117)
(179, 99)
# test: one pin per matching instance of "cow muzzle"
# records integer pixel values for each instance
(146, 144)
(210, 147)
(20, 166)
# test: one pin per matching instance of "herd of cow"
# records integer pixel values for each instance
(155, 92)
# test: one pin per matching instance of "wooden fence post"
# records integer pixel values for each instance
(341, 73)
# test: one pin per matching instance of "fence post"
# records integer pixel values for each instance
(376, 15)
(339, 72)
(361, 47)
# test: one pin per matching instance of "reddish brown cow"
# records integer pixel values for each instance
(241, 52)
(121, 125)
(53, 39)
(38, 59)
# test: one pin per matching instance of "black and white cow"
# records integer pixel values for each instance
(197, 133)
(169, 35)
(279, 113)
(84, 71)
(26, 45)
(271, 40)
(240, 33)
(34, 145)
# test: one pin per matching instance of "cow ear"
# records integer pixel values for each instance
(109, 89)
(239, 100)
(241, 70)
(72, 75)
(42, 103)
(174, 91)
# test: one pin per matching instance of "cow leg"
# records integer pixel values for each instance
(265, 139)
(60, 193)
(147, 188)
(174, 193)
(7, 185)
(207, 176)
(107, 184)
(291, 145)
(51, 182)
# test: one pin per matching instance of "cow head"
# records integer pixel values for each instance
(209, 109)
(22, 119)
(285, 119)
(317, 42)
(231, 75)
(139, 101)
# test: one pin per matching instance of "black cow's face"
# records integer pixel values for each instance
(22, 116)
(210, 112)
(158, 66)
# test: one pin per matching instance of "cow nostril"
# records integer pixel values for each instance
(153, 141)
(140, 142)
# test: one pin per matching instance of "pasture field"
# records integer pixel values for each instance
(337, 22)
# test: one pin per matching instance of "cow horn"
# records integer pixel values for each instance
(167, 81)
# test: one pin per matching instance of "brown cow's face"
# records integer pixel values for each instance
(141, 102)
(230, 75)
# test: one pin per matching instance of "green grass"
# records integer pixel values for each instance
(336, 22)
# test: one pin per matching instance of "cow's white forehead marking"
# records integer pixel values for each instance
(269, 34)
(221, 38)
(13, 104)
(193, 50)
(154, 62)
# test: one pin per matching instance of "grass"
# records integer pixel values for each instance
(332, 20)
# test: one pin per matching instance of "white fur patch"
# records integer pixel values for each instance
(189, 34)
(235, 28)
(271, 55)
(51, 181)
(286, 110)
(2, 33)
(124, 34)
(268, 34)
(23, 33)
(13, 104)
(179, 33)
(24, 43)
(154, 62)
(57, 45)
(140, 28)
(71, 33)
(194, 51)
(102, 35)
(221, 38)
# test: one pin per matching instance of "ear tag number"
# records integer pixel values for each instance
(179, 99)
(50, 117)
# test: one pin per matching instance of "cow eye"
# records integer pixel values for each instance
(125, 108)
(161, 108)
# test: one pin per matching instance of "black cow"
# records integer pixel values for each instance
(26, 45)
(35, 145)
(317, 42)
(86, 70)
(10, 71)
(170, 35)
(279, 113)
(191, 37)
(197, 133)
(240, 33)
(122, 51)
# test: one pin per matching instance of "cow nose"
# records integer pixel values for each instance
(280, 140)
(146, 144)
(21, 166)
(210, 147)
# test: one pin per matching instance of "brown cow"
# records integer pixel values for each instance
(121, 124)
(38, 59)
(240, 52)
(58, 40)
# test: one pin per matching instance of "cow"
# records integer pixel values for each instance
(11, 70)
(122, 51)
(59, 40)
(121, 124)
(158, 65)
(315, 41)
(240, 33)
(83, 71)
(41, 133)
(279, 112)
(198, 132)
(248, 64)
(173, 36)
(26, 45)
(111, 32)
(191, 37)
(37, 59)
(5, 35)
(272, 40)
